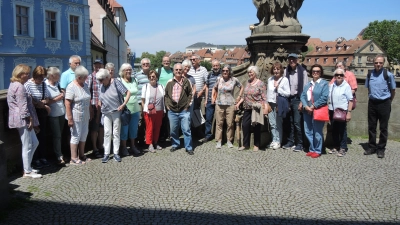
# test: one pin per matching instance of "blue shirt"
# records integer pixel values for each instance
(379, 89)
(211, 82)
(66, 78)
(339, 96)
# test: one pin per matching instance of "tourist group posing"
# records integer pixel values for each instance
(152, 106)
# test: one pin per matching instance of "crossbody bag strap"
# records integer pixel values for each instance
(43, 90)
(120, 97)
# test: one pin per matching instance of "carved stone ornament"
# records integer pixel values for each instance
(53, 45)
(50, 4)
(280, 52)
(53, 62)
(23, 42)
(72, 9)
(24, 60)
(29, 2)
(75, 46)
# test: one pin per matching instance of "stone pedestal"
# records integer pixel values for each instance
(4, 196)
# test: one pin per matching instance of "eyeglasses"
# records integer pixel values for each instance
(153, 77)
(225, 70)
(316, 71)
(339, 75)
(100, 80)
(178, 69)
(378, 62)
(192, 59)
(143, 64)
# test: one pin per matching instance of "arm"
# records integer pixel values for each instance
(68, 111)
(206, 93)
(393, 87)
(190, 91)
(284, 88)
(167, 97)
(128, 95)
(323, 99)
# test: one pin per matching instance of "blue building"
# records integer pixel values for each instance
(43, 32)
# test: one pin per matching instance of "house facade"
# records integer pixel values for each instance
(42, 32)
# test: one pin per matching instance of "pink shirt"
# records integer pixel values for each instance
(20, 106)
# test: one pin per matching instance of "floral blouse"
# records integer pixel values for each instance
(225, 90)
(254, 93)
(20, 106)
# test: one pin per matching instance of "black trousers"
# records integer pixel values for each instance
(378, 110)
(246, 128)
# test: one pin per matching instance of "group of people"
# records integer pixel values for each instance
(163, 103)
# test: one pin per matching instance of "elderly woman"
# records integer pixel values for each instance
(22, 116)
(78, 114)
(57, 114)
(131, 84)
(112, 103)
(314, 96)
(277, 92)
(225, 104)
(255, 94)
(340, 97)
(111, 68)
(37, 88)
(153, 110)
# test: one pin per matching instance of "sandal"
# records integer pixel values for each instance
(76, 162)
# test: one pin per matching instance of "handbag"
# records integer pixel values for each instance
(126, 113)
(339, 114)
(152, 106)
(321, 113)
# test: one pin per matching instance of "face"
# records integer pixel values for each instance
(127, 72)
(252, 75)
(378, 63)
(166, 62)
(195, 61)
(24, 77)
(225, 73)
(75, 63)
(153, 78)
(145, 65)
(340, 66)
(97, 66)
(54, 77)
(111, 71)
(39, 79)
(216, 66)
(339, 76)
(104, 81)
(277, 71)
(178, 71)
(316, 73)
(81, 80)
(292, 62)
(186, 69)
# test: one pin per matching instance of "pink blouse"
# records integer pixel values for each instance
(20, 106)
(254, 93)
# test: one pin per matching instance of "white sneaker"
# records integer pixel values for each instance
(32, 175)
(230, 145)
(271, 145)
(218, 145)
(276, 145)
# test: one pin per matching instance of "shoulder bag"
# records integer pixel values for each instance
(339, 114)
(126, 113)
(321, 113)
(152, 105)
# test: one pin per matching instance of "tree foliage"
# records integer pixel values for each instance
(386, 34)
(206, 64)
(155, 59)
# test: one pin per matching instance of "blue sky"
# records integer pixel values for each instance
(155, 25)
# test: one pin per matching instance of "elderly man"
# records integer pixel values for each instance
(210, 107)
(298, 78)
(69, 75)
(382, 89)
(165, 74)
(178, 97)
(95, 127)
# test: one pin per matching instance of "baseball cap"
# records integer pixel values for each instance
(294, 55)
(98, 61)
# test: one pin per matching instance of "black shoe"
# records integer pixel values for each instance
(173, 149)
(369, 151)
(191, 152)
(381, 154)
(37, 164)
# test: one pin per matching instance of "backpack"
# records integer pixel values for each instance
(385, 75)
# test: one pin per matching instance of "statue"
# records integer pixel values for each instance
(282, 13)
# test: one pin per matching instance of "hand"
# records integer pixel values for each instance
(213, 102)
(265, 111)
(70, 122)
(237, 106)
(30, 125)
(199, 94)
(205, 103)
(121, 107)
(348, 116)
(309, 110)
(300, 106)
(37, 129)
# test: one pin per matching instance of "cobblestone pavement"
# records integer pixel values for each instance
(218, 187)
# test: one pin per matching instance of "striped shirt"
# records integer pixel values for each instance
(110, 96)
(80, 97)
(142, 79)
(36, 90)
(200, 75)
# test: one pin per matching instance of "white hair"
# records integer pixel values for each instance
(177, 64)
(186, 62)
(52, 71)
(254, 69)
(74, 57)
(81, 71)
(124, 67)
(216, 60)
(109, 66)
(145, 59)
(339, 70)
(103, 73)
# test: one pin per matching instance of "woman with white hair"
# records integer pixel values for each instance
(57, 113)
(78, 114)
(112, 104)
(125, 72)
(341, 98)
(255, 93)
(111, 68)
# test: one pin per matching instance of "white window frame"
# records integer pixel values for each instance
(30, 6)
(80, 28)
(58, 24)
(2, 72)
(1, 34)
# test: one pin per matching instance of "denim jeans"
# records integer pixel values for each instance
(56, 126)
(112, 126)
(295, 122)
(210, 109)
(275, 122)
(29, 144)
(314, 132)
(131, 128)
(181, 119)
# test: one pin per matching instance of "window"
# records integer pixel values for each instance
(345, 60)
(362, 71)
(308, 60)
(356, 71)
(359, 59)
(22, 20)
(51, 25)
(316, 60)
(334, 60)
(325, 60)
(74, 27)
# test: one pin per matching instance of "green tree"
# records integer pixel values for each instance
(386, 34)
(156, 60)
(206, 64)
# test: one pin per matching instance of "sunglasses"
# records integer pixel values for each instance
(225, 70)
(178, 69)
(100, 80)
(192, 59)
(316, 71)
(145, 64)
(339, 75)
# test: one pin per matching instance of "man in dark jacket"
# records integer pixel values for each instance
(178, 98)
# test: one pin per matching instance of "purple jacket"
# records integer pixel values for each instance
(20, 106)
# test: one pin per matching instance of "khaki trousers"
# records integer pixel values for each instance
(224, 112)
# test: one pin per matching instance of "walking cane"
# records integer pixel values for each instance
(238, 121)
